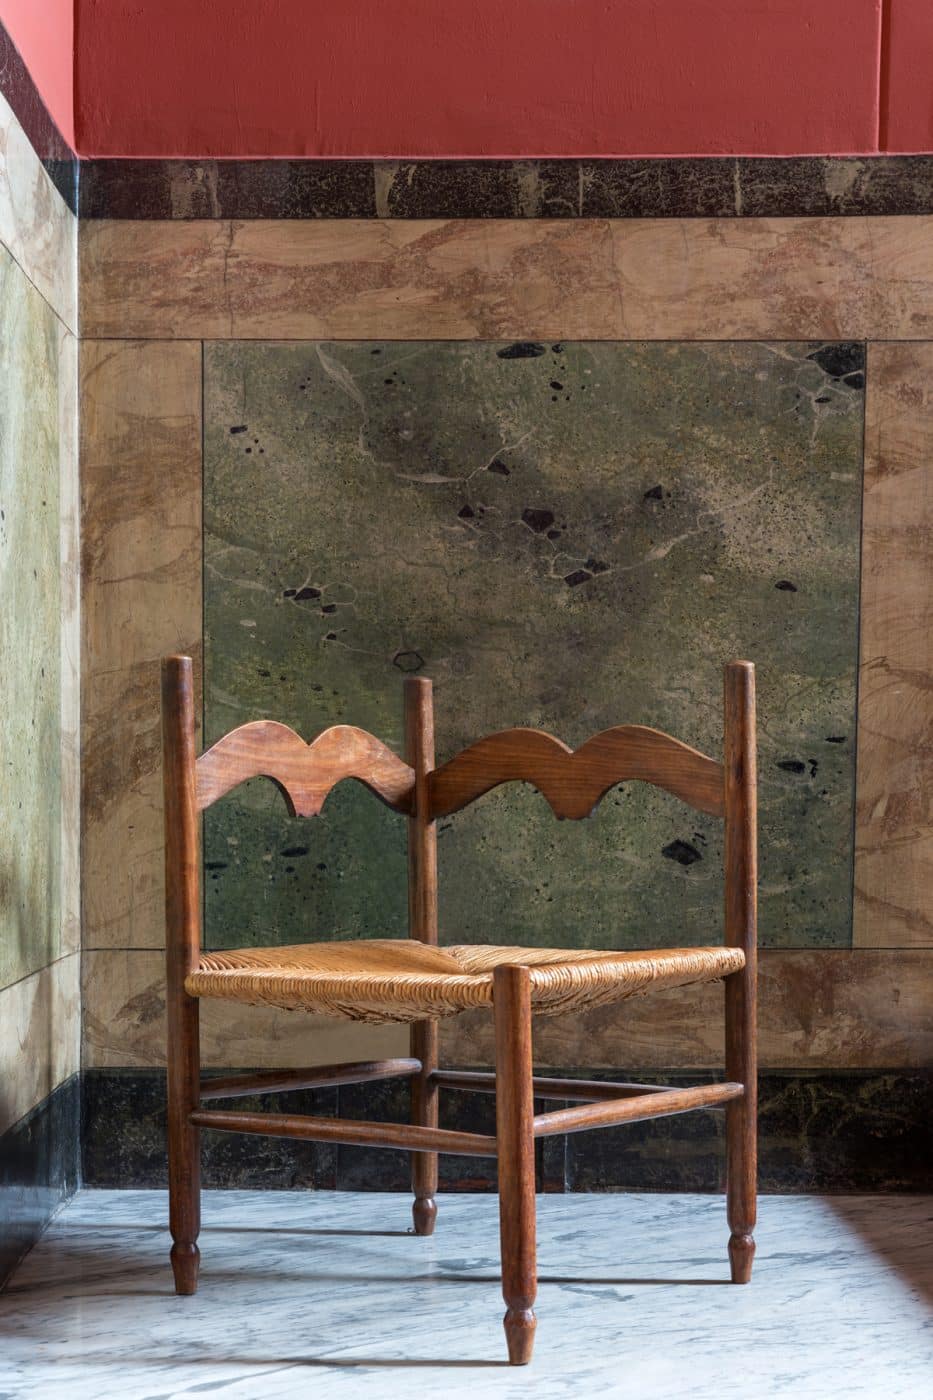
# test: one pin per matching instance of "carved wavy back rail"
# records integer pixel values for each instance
(574, 782)
(303, 772)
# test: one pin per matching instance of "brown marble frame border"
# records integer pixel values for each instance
(152, 291)
(547, 279)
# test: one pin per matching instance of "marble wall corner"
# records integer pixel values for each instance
(40, 1025)
(36, 224)
(69, 506)
(39, 1169)
(141, 578)
(894, 814)
(40, 1040)
(31, 451)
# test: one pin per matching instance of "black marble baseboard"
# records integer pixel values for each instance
(39, 1168)
(824, 1132)
(698, 187)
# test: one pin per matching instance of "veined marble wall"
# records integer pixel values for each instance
(772, 374)
(39, 655)
(567, 535)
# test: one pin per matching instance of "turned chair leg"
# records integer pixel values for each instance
(182, 952)
(741, 1126)
(741, 870)
(424, 1114)
(516, 1157)
(184, 1147)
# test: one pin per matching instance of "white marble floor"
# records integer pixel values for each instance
(327, 1294)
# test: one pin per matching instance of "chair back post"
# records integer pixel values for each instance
(182, 885)
(741, 992)
(182, 951)
(422, 830)
(741, 836)
(422, 924)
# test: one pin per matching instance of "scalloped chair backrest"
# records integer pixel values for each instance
(574, 782)
(303, 772)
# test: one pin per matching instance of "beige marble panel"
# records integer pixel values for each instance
(124, 1023)
(141, 572)
(894, 795)
(411, 279)
(69, 508)
(819, 1010)
(36, 225)
(653, 279)
(40, 1035)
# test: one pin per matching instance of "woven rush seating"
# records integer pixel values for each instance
(381, 980)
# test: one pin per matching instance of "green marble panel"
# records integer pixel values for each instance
(30, 712)
(565, 536)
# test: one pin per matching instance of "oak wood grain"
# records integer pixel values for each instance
(574, 1090)
(636, 1108)
(304, 772)
(741, 988)
(404, 1136)
(574, 782)
(422, 924)
(182, 950)
(271, 1081)
(516, 1151)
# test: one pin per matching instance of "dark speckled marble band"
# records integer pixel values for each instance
(836, 1132)
(702, 187)
(39, 1161)
(50, 146)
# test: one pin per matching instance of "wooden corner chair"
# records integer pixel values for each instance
(414, 980)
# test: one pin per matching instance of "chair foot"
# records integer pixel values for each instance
(186, 1259)
(520, 1324)
(741, 1255)
(424, 1214)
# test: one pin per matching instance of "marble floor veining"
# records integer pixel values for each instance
(328, 1293)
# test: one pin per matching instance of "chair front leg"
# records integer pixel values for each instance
(424, 1037)
(184, 1141)
(742, 1123)
(516, 1157)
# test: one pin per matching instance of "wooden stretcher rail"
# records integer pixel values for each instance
(271, 1081)
(404, 1136)
(575, 1090)
(634, 1110)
